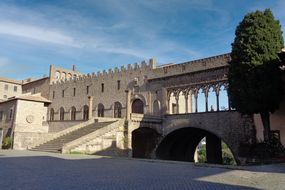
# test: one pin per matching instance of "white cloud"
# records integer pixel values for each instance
(36, 33)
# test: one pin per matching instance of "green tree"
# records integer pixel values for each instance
(255, 83)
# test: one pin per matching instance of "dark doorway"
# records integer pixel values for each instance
(101, 110)
(85, 112)
(117, 110)
(144, 141)
(137, 106)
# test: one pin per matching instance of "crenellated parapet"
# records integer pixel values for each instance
(144, 66)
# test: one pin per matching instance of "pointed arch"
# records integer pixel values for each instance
(51, 114)
(85, 112)
(138, 106)
(61, 114)
(73, 114)
(100, 110)
(156, 107)
(117, 110)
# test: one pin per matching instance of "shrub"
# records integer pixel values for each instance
(7, 143)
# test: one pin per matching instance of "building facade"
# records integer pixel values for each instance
(9, 88)
(143, 93)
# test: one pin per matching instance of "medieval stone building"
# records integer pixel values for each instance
(144, 110)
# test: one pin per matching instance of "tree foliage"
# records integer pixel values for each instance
(255, 83)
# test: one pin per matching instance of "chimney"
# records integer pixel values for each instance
(73, 68)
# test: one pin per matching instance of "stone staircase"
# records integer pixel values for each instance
(56, 144)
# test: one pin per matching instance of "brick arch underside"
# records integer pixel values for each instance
(180, 145)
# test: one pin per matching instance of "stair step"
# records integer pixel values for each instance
(55, 145)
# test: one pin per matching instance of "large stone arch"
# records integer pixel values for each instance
(235, 130)
(180, 144)
(144, 142)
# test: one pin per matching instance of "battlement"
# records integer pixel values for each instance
(142, 66)
(222, 57)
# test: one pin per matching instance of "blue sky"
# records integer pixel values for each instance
(97, 35)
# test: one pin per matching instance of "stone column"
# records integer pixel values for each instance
(90, 98)
(196, 102)
(213, 149)
(229, 103)
(128, 106)
(190, 102)
(177, 103)
(217, 98)
(165, 101)
(206, 99)
(186, 102)
(168, 105)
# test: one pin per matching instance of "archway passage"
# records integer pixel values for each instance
(85, 112)
(144, 141)
(137, 106)
(117, 110)
(181, 145)
(101, 110)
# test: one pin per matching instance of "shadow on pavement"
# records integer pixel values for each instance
(44, 172)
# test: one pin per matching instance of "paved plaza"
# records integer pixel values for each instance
(28, 170)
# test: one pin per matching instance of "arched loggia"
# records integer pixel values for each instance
(181, 145)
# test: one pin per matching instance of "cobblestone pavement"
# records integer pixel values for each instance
(34, 170)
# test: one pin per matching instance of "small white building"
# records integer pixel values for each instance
(25, 115)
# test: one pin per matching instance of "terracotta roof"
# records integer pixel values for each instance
(34, 98)
(2, 79)
(28, 98)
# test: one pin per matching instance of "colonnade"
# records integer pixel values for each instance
(198, 99)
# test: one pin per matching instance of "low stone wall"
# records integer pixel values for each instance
(108, 141)
(25, 140)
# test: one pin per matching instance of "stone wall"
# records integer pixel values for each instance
(37, 86)
(109, 140)
(31, 117)
(56, 126)
(25, 140)
(230, 127)
(10, 92)
(74, 93)
(7, 112)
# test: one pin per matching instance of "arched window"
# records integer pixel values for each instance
(156, 107)
(68, 76)
(73, 113)
(212, 100)
(61, 114)
(137, 106)
(57, 75)
(100, 110)
(85, 112)
(117, 110)
(201, 101)
(63, 75)
(172, 104)
(51, 114)
(223, 99)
